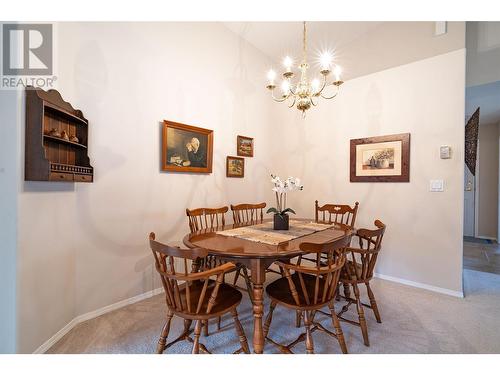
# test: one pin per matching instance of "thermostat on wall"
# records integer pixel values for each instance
(445, 152)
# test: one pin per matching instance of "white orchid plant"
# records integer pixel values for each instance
(281, 188)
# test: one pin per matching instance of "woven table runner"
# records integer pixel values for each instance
(266, 234)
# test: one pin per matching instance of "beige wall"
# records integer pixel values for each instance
(487, 186)
(424, 229)
(83, 247)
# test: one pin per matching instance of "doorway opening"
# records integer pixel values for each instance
(482, 152)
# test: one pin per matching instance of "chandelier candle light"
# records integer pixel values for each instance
(305, 92)
(281, 188)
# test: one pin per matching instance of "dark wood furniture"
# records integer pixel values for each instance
(341, 214)
(336, 213)
(257, 257)
(192, 295)
(358, 269)
(207, 219)
(51, 151)
(309, 287)
(248, 213)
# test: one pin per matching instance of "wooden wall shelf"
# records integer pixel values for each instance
(47, 156)
(61, 140)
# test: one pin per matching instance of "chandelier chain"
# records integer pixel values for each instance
(304, 45)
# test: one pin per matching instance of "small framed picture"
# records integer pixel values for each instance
(235, 167)
(245, 146)
(186, 148)
(381, 159)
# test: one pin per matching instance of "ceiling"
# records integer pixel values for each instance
(360, 48)
(278, 39)
(487, 97)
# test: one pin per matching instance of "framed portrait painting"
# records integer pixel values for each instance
(186, 148)
(381, 159)
(244, 146)
(235, 167)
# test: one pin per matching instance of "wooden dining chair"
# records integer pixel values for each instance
(209, 219)
(336, 213)
(192, 294)
(341, 214)
(248, 213)
(307, 288)
(358, 269)
(206, 218)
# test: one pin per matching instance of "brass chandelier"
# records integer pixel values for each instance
(304, 93)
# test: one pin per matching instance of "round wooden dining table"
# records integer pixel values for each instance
(257, 257)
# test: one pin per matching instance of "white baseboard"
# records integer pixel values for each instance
(432, 288)
(94, 314)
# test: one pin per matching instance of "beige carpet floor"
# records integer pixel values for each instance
(414, 321)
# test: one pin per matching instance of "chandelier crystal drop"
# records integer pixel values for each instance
(304, 93)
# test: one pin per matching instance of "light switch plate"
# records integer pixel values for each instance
(437, 185)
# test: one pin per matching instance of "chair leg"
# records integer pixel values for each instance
(309, 340)
(236, 276)
(241, 333)
(338, 328)
(313, 314)
(248, 284)
(205, 328)
(164, 334)
(337, 293)
(298, 318)
(361, 315)
(187, 325)
(269, 318)
(347, 291)
(373, 303)
(196, 342)
(219, 319)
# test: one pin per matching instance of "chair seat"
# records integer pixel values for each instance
(227, 298)
(279, 291)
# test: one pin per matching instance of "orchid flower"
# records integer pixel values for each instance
(281, 188)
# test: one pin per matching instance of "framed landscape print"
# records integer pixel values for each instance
(235, 167)
(381, 159)
(245, 146)
(186, 148)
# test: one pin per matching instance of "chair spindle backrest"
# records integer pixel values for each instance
(179, 284)
(336, 214)
(370, 243)
(248, 213)
(206, 218)
(329, 258)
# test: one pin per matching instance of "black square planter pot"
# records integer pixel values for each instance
(281, 222)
